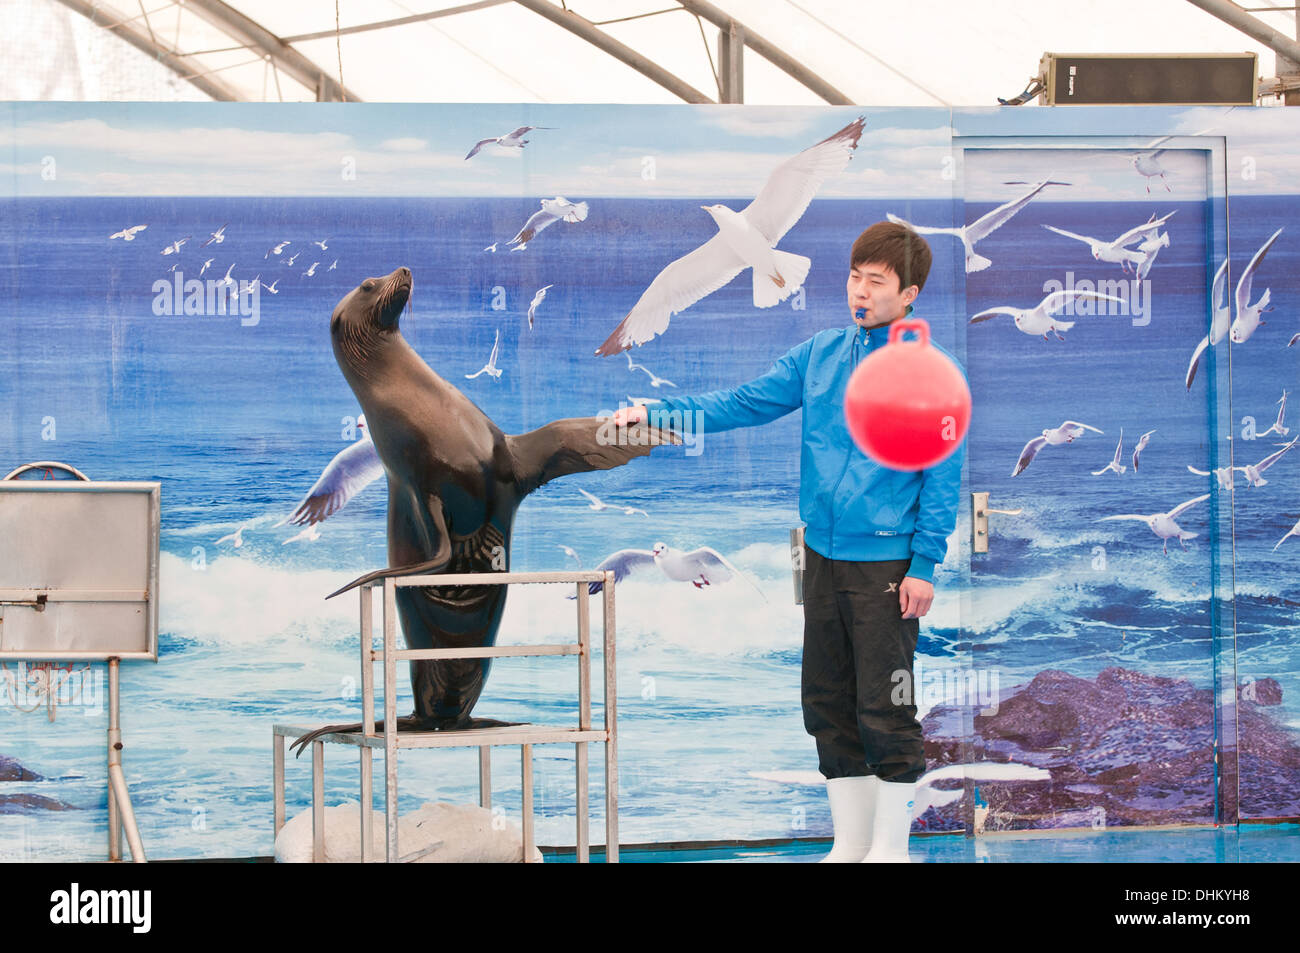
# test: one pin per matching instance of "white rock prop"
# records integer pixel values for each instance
(436, 833)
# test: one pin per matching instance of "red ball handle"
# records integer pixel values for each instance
(919, 325)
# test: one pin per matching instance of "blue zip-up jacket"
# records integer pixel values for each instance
(855, 509)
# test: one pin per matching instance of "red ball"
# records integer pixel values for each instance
(907, 404)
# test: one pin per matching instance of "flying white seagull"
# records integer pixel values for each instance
(217, 237)
(1223, 474)
(655, 380)
(1117, 250)
(128, 234)
(1147, 163)
(745, 239)
(276, 249)
(491, 366)
(600, 505)
(538, 298)
(982, 227)
(1247, 320)
(1141, 445)
(514, 140)
(175, 247)
(237, 537)
(1163, 524)
(1253, 472)
(1119, 455)
(310, 272)
(206, 265)
(309, 533)
(1220, 321)
(353, 469)
(1041, 318)
(1066, 433)
(321, 243)
(1293, 531)
(1149, 249)
(553, 210)
(572, 554)
(1277, 426)
(701, 567)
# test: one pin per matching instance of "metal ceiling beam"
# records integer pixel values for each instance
(603, 41)
(144, 42)
(770, 52)
(1232, 14)
(258, 39)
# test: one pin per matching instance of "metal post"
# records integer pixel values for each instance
(582, 795)
(277, 781)
(526, 772)
(114, 757)
(317, 802)
(367, 753)
(611, 714)
(485, 777)
(731, 63)
(390, 722)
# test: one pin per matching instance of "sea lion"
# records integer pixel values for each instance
(454, 484)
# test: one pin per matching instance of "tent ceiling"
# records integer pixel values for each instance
(923, 52)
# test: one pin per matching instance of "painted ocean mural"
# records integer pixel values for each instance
(1110, 680)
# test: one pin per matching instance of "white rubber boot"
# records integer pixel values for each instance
(853, 808)
(893, 823)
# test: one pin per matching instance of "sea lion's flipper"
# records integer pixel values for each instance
(408, 723)
(441, 557)
(578, 445)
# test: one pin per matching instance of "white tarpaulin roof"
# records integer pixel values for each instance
(876, 52)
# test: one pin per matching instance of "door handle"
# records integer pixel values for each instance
(980, 511)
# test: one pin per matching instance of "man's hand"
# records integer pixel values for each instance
(914, 597)
(627, 416)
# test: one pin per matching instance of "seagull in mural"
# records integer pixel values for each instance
(1164, 525)
(1223, 474)
(600, 505)
(175, 247)
(1041, 318)
(309, 534)
(206, 265)
(491, 366)
(1149, 249)
(982, 227)
(334, 264)
(227, 281)
(1293, 531)
(538, 298)
(1054, 437)
(1115, 463)
(1117, 250)
(1294, 338)
(1141, 445)
(353, 469)
(1253, 472)
(311, 272)
(292, 258)
(217, 237)
(655, 380)
(128, 234)
(745, 239)
(276, 249)
(572, 554)
(701, 567)
(271, 287)
(1220, 321)
(553, 210)
(512, 140)
(1278, 427)
(1247, 320)
(237, 537)
(1147, 163)
(321, 243)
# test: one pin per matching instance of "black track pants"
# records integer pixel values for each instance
(855, 645)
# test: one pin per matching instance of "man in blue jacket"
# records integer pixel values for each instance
(873, 538)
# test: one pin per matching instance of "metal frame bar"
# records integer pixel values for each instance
(483, 738)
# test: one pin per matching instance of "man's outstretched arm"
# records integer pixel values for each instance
(759, 401)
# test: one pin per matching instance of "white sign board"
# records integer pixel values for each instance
(78, 570)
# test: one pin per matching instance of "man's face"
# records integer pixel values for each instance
(873, 288)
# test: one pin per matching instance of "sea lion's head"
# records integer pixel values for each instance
(373, 305)
(368, 314)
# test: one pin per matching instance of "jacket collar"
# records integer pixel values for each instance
(878, 336)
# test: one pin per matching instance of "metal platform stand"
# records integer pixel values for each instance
(390, 741)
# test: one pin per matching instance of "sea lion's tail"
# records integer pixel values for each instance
(434, 565)
(579, 445)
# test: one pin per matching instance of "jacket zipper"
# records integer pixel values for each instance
(848, 457)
